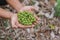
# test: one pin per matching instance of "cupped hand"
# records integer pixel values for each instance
(14, 18)
(28, 8)
(16, 24)
(14, 21)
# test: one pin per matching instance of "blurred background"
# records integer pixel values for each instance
(48, 28)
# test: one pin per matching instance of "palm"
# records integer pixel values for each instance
(16, 24)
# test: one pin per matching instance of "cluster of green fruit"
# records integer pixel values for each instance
(26, 18)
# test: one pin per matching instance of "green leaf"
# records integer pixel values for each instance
(52, 26)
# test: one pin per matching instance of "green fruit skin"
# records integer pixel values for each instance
(26, 18)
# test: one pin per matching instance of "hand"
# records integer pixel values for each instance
(29, 8)
(14, 21)
(16, 24)
(30, 26)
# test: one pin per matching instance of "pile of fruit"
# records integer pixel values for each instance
(26, 18)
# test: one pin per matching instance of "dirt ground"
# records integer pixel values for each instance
(47, 29)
